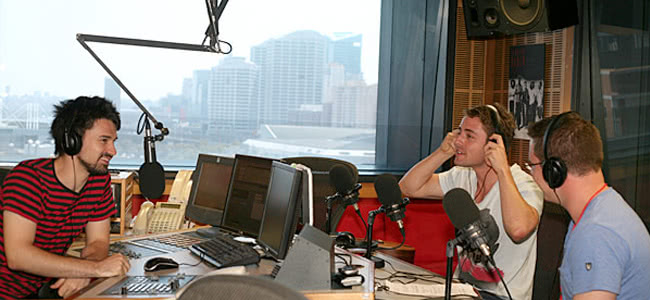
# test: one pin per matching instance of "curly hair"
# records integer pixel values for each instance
(573, 139)
(78, 115)
(506, 121)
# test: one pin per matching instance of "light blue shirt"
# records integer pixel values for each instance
(608, 250)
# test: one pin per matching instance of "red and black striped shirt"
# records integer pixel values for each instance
(33, 191)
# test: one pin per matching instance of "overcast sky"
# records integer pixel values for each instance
(39, 51)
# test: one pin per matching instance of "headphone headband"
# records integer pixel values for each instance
(549, 129)
(496, 120)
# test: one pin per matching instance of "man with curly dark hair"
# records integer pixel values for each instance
(47, 202)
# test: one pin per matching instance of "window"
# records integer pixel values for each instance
(622, 53)
(301, 79)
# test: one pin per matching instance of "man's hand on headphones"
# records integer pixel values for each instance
(495, 153)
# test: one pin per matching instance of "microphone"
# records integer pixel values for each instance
(390, 196)
(344, 184)
(477, 230)
(151, 173)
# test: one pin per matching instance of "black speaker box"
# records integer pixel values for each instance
(490, 18)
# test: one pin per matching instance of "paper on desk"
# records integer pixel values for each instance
(430, 290)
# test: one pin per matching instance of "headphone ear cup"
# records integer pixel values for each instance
(345, 240)
(554, 172)
(71, 142)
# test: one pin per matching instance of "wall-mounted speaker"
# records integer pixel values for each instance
(490, 18)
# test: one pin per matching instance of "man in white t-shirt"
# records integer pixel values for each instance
(513, 198)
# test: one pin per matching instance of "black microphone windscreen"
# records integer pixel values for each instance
(460, 207)
(490, 225)
(152, 180)
(341, 178)
(388, 191)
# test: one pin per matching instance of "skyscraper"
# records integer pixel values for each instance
(198, 109)
(346, 50)
(232, 95)
(292, 70)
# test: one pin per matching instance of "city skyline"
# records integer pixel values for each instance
(311, 84)
(47, 59)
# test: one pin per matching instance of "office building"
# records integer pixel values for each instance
(346, 50)
(232, 96)
(291, 73)
(199, 95)
(353, 105)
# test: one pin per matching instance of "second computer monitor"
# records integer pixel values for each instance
(248, 187)
(210, 182)
(278, 224)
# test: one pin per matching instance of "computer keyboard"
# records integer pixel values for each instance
(222, 251)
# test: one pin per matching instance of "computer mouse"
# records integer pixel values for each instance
(159, 263)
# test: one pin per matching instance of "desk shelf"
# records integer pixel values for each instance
(123, 185)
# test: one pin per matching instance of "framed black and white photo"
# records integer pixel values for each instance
(526, 86)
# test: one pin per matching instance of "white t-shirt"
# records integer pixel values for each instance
(516, 261)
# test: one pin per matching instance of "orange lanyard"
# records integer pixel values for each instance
(585, 208)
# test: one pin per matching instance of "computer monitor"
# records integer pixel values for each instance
(208, 196)
(280, 210)
(248, 186)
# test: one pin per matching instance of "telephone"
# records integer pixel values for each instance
(181, 187)
(165, 216)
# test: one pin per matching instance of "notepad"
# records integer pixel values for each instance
(430, 290)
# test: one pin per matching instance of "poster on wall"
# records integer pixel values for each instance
(526, 86)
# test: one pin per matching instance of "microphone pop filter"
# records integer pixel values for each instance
(341, 178)
(152, 180)
(490, 226)
(388, 191)
(460, 208)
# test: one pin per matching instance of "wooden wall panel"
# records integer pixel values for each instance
(481, 72)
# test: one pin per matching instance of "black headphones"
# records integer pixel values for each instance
(553, 168)
(345, 240)
(496, 122)
(71, 143)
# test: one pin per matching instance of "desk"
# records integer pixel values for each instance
(363, 292)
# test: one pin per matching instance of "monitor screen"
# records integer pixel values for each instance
(248, 184)
(278, 223)
(209, 192)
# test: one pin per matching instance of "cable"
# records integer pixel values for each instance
(194, 265)
(362, 220)
(483, 183)
(74, 175)
(396, 247)
(405, 277)
(213, 30)
(342, 256)
(491, 260)
(558, 197)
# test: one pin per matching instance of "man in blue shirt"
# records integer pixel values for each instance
(607, 247)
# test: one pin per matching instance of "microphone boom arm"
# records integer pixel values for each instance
(82, 38)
